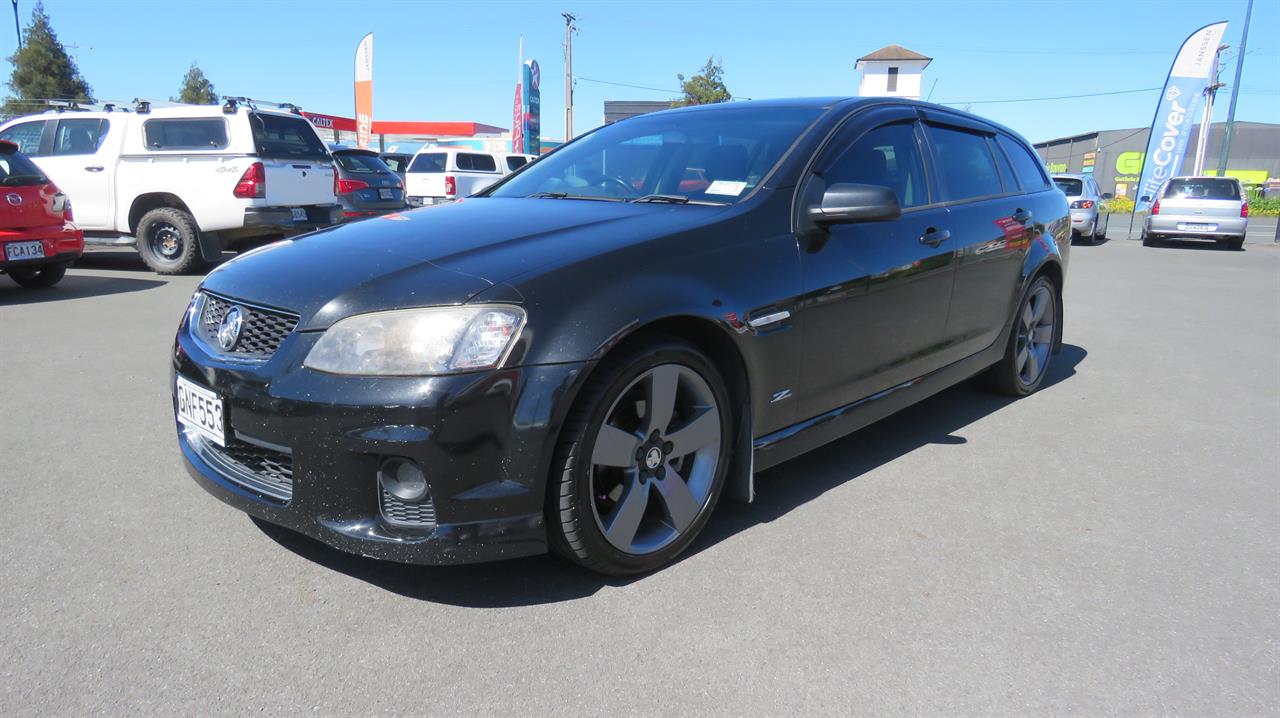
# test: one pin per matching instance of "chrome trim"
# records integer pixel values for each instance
(768, 319)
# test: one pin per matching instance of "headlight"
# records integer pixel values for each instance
(417, 342)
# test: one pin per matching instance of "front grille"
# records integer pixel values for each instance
(416, 514)
(261, 470)
(261, 334)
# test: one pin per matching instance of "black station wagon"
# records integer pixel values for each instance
(588, 355)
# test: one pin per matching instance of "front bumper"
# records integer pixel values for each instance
(315, 217)
(63, 244)
(1175, 225)
(484, 441)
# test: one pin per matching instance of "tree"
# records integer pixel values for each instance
(196, 89)
(42, 70)
(706, 87)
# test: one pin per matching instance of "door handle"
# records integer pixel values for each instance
(93, 168)
(1022, 216)
(934, 237)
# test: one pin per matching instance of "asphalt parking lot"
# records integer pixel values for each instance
(1109, 546)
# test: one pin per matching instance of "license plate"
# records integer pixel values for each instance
(386, 194)
(299, 214)
(201, 410)
(14, 251)
(1199, 227)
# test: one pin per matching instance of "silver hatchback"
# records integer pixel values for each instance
(1199, 208)
(1089, 219)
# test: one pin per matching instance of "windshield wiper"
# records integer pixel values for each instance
(566, 195)
(664, 198)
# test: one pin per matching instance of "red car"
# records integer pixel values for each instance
(37, 235)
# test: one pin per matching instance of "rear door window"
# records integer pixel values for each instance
(201, 133)
(286, 138)
(1025, 164)
(79, 136)
(965, 164)
(476, 163)
(516, 162)
(1202, 188)
(429, 162)
(26, 136)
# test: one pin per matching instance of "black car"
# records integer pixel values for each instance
(592, 351)
(397, 161)
(365, 185)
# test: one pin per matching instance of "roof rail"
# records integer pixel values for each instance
(231, 102)
(64, 106)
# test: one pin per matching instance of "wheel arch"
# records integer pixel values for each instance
(146, 202)
(1052, 269)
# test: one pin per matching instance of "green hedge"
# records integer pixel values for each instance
(1257, 207)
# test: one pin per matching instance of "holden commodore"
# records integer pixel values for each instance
(588, 355)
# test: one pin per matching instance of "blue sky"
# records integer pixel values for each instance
(458, 61)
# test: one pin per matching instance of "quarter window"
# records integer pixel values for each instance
(186, 134)
(887, 156)
(965, 164)
(1026, 165)
(26, 136)
(476, 163)
(79, 137)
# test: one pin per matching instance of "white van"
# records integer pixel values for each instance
(443, 174)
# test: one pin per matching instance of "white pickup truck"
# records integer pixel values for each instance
(184, 183)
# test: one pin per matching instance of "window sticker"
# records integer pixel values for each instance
(726, 187)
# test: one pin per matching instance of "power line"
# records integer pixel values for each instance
(623, 84)
(1055, 97)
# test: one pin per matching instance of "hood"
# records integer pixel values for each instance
(437, 255)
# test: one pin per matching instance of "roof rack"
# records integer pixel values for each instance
(230, 104)
(64, 106)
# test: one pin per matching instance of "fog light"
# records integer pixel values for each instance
(402, 479)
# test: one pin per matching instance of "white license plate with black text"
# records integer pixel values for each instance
(299, 214)
(386, 194)
(201, 410)
(14, 251)
(1198, 227)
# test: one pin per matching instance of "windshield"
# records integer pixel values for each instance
(17, 170)
(1202, 189)
(1070, 186)
(716, 156)
(360, 163)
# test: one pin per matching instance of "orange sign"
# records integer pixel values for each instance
(364, 92)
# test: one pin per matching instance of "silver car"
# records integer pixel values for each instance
(1088, 220)
(1199, 208)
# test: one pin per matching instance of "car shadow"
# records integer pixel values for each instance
(125, 260)
(1195, 244)
(72, 286)
(781, 489)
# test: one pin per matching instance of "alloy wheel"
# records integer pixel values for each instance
(1035, 335)
(654, 460)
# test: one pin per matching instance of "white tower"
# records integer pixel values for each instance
(892, 71)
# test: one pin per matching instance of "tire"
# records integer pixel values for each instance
(1019, 374)
(1101, 236)
(169, 241)
(656, 505)
(1148, 240)
(1235, 245)
(39, 277)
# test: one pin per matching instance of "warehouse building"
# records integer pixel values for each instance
(1114, 157)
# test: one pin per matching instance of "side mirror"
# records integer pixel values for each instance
(844, 203)
(1145, 198)
(1106, 196)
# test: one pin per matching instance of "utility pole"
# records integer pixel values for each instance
(568, 74)
(1235, 94)
(16, 28)
(1206, 121)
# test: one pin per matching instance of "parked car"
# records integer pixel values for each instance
(184, 183)
(1198, 208)
(38, 237)
(365, 185)
(443, 174)
(569, 361)
(1088, 220)
(397, 161)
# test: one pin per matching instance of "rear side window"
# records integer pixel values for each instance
(965, 164)
(516, 162)
(1025, 164)
(286, 138)
(476, 163)
(429, 162)
(887, 156)
(360, 163)
(205, 133)
(79, 137)
(17, 170)
(26, 136)
(1070, 186)
(1202, 188)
